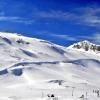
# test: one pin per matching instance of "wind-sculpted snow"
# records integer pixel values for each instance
(4, 71)
(38, 63)
(58, 50)
(77, 62)
(28, 53)
(84, 62)
(33, 69)
(7, 40)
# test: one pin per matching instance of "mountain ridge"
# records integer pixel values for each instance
(86, 46)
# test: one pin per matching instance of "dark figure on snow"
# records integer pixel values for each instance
(82, 96)
(52, 95)
(98, 94)
(48, 95)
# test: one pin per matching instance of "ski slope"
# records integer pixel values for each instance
(31, 68)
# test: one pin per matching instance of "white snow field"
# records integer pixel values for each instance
(32, 69)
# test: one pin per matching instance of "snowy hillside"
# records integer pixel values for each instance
(31, 67)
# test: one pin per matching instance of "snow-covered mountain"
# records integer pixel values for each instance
(86, 46)
(40, 64)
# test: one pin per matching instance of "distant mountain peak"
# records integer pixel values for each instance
(86, 46)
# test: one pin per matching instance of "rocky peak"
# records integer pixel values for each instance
(86, 45)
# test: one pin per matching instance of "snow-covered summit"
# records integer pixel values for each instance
(86, 46)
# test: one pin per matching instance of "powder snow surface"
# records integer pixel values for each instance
(31, 68)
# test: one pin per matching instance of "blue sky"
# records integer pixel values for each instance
(59, 21)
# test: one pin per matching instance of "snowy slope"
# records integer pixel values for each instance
(16, 48)
(34, 64)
